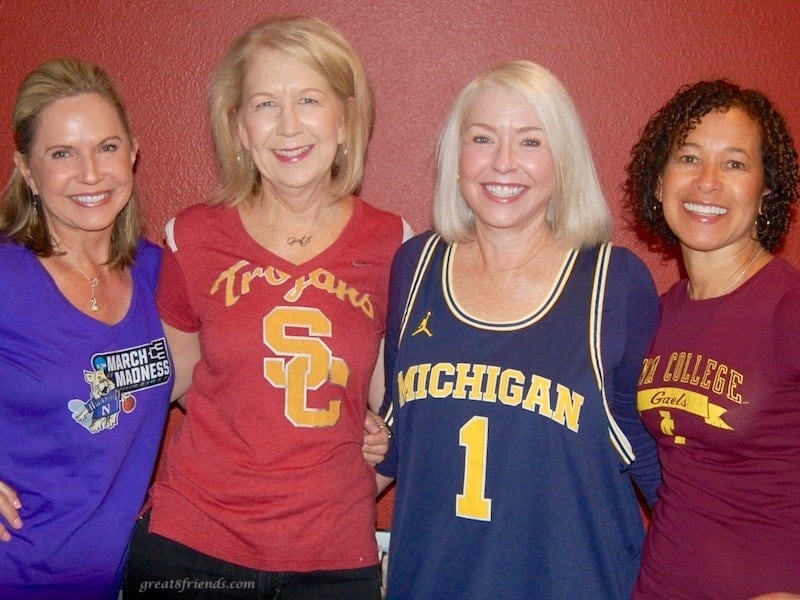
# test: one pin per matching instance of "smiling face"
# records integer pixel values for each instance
(291, 122)
(712, 185)
(80, 164)
(507, 173)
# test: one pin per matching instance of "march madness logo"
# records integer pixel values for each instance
(113, 379)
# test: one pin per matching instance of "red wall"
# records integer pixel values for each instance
(620, 60)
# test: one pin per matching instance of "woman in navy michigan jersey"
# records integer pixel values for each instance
(515, 338)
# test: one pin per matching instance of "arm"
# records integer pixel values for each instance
(377, 387)
(640, 319)
(185, 349)
(376, 439)
(9, 510)
(383, 482)
(172, 297)
(403, 267)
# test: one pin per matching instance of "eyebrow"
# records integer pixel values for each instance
(105, 140)
(492, 128)
(735, 149)
(302, 91)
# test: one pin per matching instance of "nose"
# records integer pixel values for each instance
(89, 171)
(289, 124)
(503, 160)
(707, 178)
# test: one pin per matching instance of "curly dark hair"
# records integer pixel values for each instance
(669, 127)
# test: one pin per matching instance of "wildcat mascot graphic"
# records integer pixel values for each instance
(102, 409)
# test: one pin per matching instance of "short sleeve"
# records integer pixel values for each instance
(172, 295)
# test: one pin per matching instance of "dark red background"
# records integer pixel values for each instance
(620, 60)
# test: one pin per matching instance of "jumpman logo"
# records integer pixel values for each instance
(423, 326)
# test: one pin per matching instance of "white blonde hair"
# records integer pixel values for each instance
(577, 210)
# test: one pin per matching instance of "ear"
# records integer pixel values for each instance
(134, 151)
(657, 191)
(347, 109)
(244, 139)
(22, 165)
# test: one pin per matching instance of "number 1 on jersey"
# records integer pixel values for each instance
(472, 503)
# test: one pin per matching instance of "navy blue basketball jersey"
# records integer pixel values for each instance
(512, 469)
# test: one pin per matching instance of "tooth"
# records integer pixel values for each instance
(705, 209)
(505, 191)
(292, 153)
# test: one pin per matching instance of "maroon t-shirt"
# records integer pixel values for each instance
(720, 390)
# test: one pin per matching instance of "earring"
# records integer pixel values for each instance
(762, 227)
(36, 201)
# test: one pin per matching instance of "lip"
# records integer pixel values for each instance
(91, 200)
(504, 192)
(292, 155)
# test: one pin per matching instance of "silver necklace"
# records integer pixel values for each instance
(93, 283)
(736, 280)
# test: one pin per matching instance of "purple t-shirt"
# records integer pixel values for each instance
(720, 390)
(82, 411)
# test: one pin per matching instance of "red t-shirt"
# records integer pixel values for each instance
(266, 470)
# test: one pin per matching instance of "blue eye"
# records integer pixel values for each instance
(531, 143)
(481, 139)
(309, 101)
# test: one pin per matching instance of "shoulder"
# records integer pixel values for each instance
(413, 249)
(147, 250)
(378, 220)
(16, 263)
(629, 276)
(11, 252)
(201, 214)
(623, 266)
(630, 284)
(193, 224)
(148, 260)
(782, 281)
(625, 262)
(373, 232)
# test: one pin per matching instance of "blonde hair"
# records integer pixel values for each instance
(323, 49)
(21, 220)
(577, 210)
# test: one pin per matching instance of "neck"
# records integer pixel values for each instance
(712, 277)
(501, 253)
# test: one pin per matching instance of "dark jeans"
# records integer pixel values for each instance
(160, 568)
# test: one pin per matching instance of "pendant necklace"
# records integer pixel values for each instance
(302, 241)
(93, 282)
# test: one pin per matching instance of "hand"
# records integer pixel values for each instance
(9, 509)
(376, 439)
